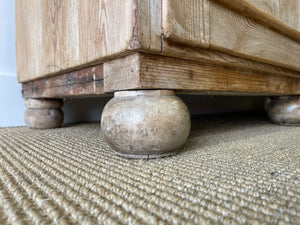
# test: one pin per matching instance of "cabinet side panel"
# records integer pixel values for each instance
(28, 38)
(57, 35)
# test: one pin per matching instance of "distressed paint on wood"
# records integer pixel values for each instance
(90, 74)
(83, 82)
(68, 91)
(56, 35)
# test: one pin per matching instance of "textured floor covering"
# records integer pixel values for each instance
(234, 169)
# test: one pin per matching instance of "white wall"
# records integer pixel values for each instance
(11, 101)
(7, 38)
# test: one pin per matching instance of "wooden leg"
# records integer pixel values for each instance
(43, 113)
(145, 124)
(284, 110)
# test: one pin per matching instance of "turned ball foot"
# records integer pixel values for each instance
(43, 113)
(284, 110)
(145, 124)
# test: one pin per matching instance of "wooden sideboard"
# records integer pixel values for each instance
(145, 51)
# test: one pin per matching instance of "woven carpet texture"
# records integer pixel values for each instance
(234, 169)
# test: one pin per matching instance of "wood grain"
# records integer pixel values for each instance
(43, 118)
(56, 35)
(281, 15)
(160, 72)
(186, 21)
(43, 113)
(149, 24)
(145, 124)
(147, 71)
(287, 11)
(68, 91)
(176, 50)
(83, 82)
(235, 34)
(122, 73)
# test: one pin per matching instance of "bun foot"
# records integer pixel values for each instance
(284, 110)
(145, 124)
(43, 113)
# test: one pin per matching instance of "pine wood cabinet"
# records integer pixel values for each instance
(241, 37)
(71, 48)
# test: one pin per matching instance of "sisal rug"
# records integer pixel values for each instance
(234, 169)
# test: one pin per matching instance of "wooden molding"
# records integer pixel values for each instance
(239, 35)
(146, 71)
(176, 50)
(84, 82)
(272, 14)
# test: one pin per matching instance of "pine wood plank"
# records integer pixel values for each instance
(89, 74)
(68, 91)
(176, 50)
(226, 30)
(287, 11)
(281, 15)
(84, 82)
(123, 72)
(186, 21)
(55, 36)
(161, 72)
(233, 33)
(149, 24)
